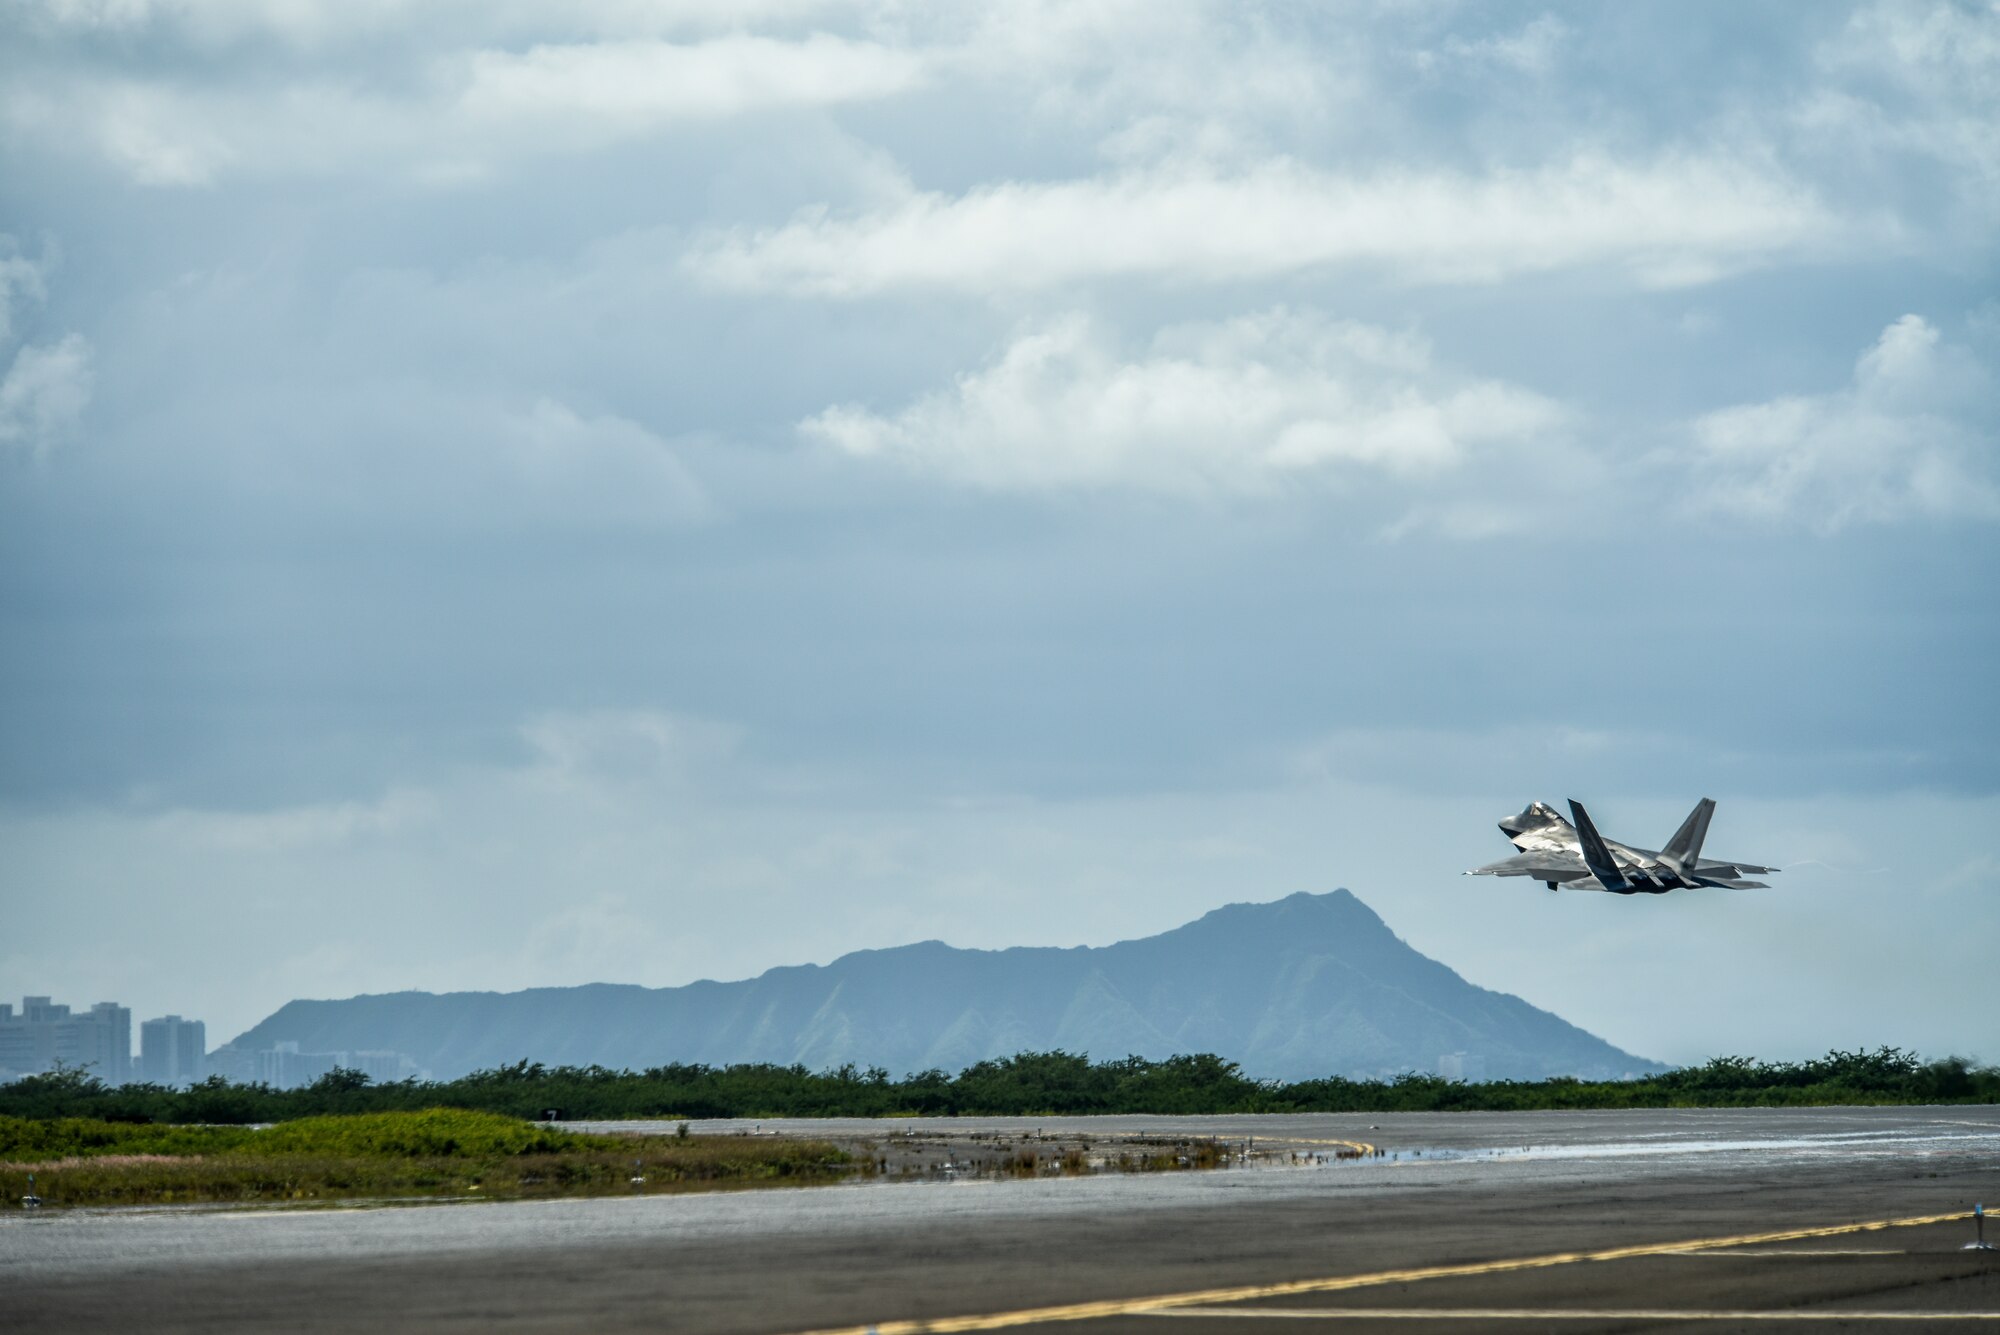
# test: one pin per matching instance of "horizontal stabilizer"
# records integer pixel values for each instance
(1709, 869)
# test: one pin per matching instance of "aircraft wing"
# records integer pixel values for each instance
(1549, 864)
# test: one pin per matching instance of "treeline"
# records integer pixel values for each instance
(1031, 1084)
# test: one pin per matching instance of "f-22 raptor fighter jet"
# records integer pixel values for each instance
(1577, 857)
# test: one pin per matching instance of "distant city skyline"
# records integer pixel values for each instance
(44, 1035)
(495, 497)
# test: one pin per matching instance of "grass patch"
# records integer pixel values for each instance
(435, 1152)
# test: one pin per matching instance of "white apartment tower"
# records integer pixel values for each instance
(171, 1050)
(98, 1041)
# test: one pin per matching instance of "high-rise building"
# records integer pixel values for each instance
(283, 1066)
(98, 1041)
(172, 1051)
(382, 1068)
(102, 1042)
(238, 1067)
(20, 1052)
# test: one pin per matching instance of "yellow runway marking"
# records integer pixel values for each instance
(1032, 1316)
(1808, 1251)
(1558, 1314)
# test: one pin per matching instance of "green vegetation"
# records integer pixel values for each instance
(1029, 1084)
(433, 1152)
(345, 1138)
(440, 1133)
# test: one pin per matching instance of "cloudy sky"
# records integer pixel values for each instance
(496, 494)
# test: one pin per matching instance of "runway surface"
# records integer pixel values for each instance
(1759, 1220)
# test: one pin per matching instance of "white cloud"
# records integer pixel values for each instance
(1915, 81)
(167, 137)
(165, 134)
(460, 114)
(601, 468)
(46, 385)
(431, 458)
(1672, 221)
(581, 749)
(1242, 405)
(23, 283)
(1150, 79)
(316, 24)
(637, 84)
(44, 393)
(1913, 435)
(1532, 50)
(290, 829)
(449, 90)
(1465, 520)
(90, 14)
(603, 936)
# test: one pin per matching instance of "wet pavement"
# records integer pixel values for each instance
(1440, 1190)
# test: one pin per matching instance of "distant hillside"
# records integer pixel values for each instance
(1310, 985)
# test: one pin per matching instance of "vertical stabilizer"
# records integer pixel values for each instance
(1683, 851)
(1595, 855)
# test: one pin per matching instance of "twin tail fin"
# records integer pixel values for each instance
(1595, 855)
(1683, 851)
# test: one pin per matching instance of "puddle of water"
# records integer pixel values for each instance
(1844, 1143)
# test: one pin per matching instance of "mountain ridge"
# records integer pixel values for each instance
(1309, 985)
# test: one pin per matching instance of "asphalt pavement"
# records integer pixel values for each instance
(1761, 1220)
